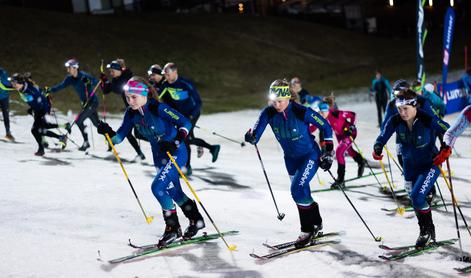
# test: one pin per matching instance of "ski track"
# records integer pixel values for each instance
(59, 210)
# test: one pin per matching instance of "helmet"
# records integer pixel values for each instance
(400, 85)
(17, 78)
(73, 63)
(114, 65)
(155, 69)
(279, 89)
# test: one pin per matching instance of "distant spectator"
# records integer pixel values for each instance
(428, 92)
(466, 78)
(381, 90)
(5, 87)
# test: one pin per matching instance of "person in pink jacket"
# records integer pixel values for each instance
(343, 125)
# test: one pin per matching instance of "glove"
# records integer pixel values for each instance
(349, 131)
(167, 146)
(377, 153)
(181, 136)
(326, 160)
(103, 77)
(250, 138)
(30, 111)
(86, 80)
(104, 128)
(445, 152)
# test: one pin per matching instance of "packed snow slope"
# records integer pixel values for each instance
(66, 214)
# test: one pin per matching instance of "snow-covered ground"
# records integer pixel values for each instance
(59, 210)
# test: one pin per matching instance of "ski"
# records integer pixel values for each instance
(292, 249)
(410, 208)
(153, 249)
(349, 186)
(291, 243)
(408, 251)
(464, 269)
(203, 237)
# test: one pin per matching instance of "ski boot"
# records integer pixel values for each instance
(339, 182)
(172, 228)
(311, 224)
(191, 212)
(215, 152)
(427, 229)
(40, 152)
(9, 137)
(139, 157)
(361, 164)
(63, 141)
(84, 146)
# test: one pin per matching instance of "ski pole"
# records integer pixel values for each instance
(242, 144)
(280, 215)
(86, 103)
(453, 198)
(400, 210)
(367, 163)
(441, 196)
(57, 123)
(390, 171)
(148, 218)
(454, 202)
(377, 239)
(231, 247)
(102, 70)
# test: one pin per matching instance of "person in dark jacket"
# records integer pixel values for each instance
(381, 90)
(5, 87)
(39, 107)
(84, 85)
(180, 94)
(120, 75)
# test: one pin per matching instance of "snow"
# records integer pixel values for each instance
(66, 214)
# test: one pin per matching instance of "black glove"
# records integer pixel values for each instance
(181, 136)
(350, 130)
(104, 128)
(103, 77)
(166, 146)
(250, 138)
(378, 149)
(86, 80)
(30, 111)
(326, 160)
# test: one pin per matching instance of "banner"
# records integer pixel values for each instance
(447, 40)
(419, 40)
(454, 96)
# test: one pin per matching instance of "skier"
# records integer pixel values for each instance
(456, 129)
(343, 125)
(290, 123)
(181, 95)
(5, 87)
(120, 75)
(416, 132)
(155, 76)
(39, 107)
(158, 123)
(381, 89)
(297, 90)
(83, 84)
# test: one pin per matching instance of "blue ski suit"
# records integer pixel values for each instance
(301, 152)
(182, 96)
(81, 89)
(418, 150)
(158, 122)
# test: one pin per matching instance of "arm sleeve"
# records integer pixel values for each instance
(196, 97)
(124, 129)
(322, 124)
(173, 116)
(456, 129)
(390, 111)
(439, 125)
(260, 125)
(66, 82)
(386, 132)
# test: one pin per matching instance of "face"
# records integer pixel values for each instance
(171, 76)
(407, 112)
(324, 114)
(17, 86)
(155, 77)
(115, 73)
(378, 76)
(72, 71)
(280, 104)
(135, 101)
